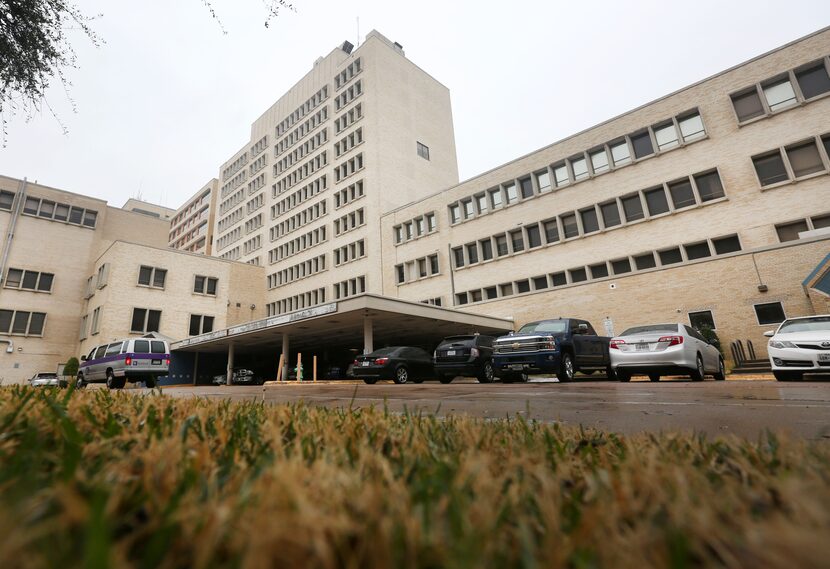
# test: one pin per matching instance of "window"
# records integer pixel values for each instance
(432, 223)
(408, 228)
(770, 313)
(790, 231)
(599, 161)
(821, 221)
(560, 175)
(399, 271)
(475, 295)
(458, 255)
(724, 245)
(569, 226)
(599, 271)
(472, 253)
(558, 279)
(691, 127)
(682, 194)
(481, 203)
(709, 186)
(422, 268)
(517, 240)
(621, 266)
(205, 285)
(151, 276)
(543, 181)
(620, 153)
(486, 249)
(526, 187)
(578, 275)
(770, 168)
(670, 256)
(633, 208)
(701, 319)
(433, 264)
(580, 168)
(534, 238)
(666, 136)
(645, 261)
(510, 192)
(551, 231)
(423, 151)
(468, 213)
(813, 80)
(6, 200)
(642, 144)
(29, 280)
(506, 289)
(748, 105)
(697, 251)
(461, 298)
(522, 286)
(779, 94)
(31, 206)
(398, 234)
(200, 324)
(804, 159)
(656, 201)
(501, 245)
(610, 214)
(455, 213)
(491, 292)
(590, 222)
(114, 349)
(419, 226)
(540, 283)
(826, 141)
(495, 198)
(22, 322)
(145, 320)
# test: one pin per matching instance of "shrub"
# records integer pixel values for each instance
(70, 368)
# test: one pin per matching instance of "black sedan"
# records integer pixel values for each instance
(401, 364)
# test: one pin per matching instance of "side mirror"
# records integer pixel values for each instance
(83, 358)
(769, 333)
(582, 328)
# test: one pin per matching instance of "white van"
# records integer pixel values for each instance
(135, 359)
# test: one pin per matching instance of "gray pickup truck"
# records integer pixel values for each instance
(562, 346)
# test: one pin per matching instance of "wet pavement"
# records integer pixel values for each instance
(736, 406)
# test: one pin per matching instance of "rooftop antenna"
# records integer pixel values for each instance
(358, 32)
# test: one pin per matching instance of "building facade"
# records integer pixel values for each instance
(147, 208)
(191, 226)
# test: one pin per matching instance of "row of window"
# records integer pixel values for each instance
(347, 168)
(302, 172)
(312, 103)
(793, 162)
(256, 184)
(297, 245)
(433, 301)
(296, 272)
(301, 151)
(414, 228)
(349, 221)
(190, 209)
(252, 245)
(417, 269)
(232, 254)
(258, 164)
(782, 91)
(29, 280)
(253, 223)
(234, 166)
(347, 74)
(22, 322)
(231, 201)
(255, 203)
(231, 219)
(348, 194)
(298, 220)
(260, 145)
(348, 118)
(301, 131)
(348, 142)
(659, 200)
(97, 281)
(233, 183)
(789, 231)
(348, 95)
(230, 237)
(350, 252)
(299, 196)
(297, 302)
(48, 209)
(349, 287)
(621, 266)
(151, 276)
(671, 133)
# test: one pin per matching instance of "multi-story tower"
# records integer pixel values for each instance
(364, 132)
(191, 228)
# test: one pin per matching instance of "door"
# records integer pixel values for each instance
(583, 344)
(98, 368)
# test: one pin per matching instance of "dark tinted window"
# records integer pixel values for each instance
(599, 271)
(642, 144)
(558, 279)
(523, 286)
(36, 323)
(569, 225)
(670, 256)
(770, 168)
(805, 159)
(813, 81)
(99, 353)
(656, 201)
(472, 254)
(144, 275)
(45, 283)
(682, 194)
(141, 346)
(458, 253)
(526, 187)
(790, 231)
(697, 251)
(633, 208)
(610, 214)
(501, 245)
(195, 322)
(114, 349)
(578, 275)
(486, 249)
(137, 324)
(590, 223)
(709, 186)
(458, 340)
(517, 240)
(645, 261)
(621, 266)
(726, 245)
(153, 318)
(770, 313)
(540, 283)
(534, 238)
(551, 231)
(702, 319)
(158, 347)
(29, 280)
(748, 105)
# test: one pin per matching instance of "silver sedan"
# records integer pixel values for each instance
(47, 379)
(665, 349)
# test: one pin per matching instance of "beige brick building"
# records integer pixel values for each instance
(191, 226)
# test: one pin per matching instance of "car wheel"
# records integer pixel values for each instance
(698, 373)
(417, 380)
(446, 378)
(402, 375)
(79, 382)
(487, 375)
(566, 368)
(623, 376)
(150, 382)
(610, 373)
(788, 375)
(370, 380)
(654, 376)
(721, 373)
(113, 382)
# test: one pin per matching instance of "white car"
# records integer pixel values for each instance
(664, 349)
(46, 379)
(799, 346)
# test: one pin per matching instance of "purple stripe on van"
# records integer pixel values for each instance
(117, 357)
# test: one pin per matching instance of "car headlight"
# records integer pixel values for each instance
(780, 344)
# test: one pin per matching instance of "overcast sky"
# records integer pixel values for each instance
(169, 97)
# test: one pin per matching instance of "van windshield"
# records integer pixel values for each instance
(158, 347)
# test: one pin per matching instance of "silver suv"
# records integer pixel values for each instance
(137, 359)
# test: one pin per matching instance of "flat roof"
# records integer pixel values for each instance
(340, 324)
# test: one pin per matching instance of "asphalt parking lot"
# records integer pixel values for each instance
(736, 406)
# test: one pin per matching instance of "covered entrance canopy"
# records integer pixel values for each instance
(361, 324)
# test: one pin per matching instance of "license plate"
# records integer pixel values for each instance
(450, 352)
(156, 362)
(642, 347)
(517, 367)
(364, 364)
(824, 357)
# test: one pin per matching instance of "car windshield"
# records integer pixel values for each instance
(817, 324)
(46, 375)
(651, 329)
(544, 326)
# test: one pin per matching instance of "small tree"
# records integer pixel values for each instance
(70, 368)
(710, 336)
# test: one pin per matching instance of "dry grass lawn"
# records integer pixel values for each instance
(100, 479)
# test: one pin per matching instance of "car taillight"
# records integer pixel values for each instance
(168, 361)
(474, 352)
(672, 340)
(381, 361)
(615, 344)
(357, 363)
(128, 361)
